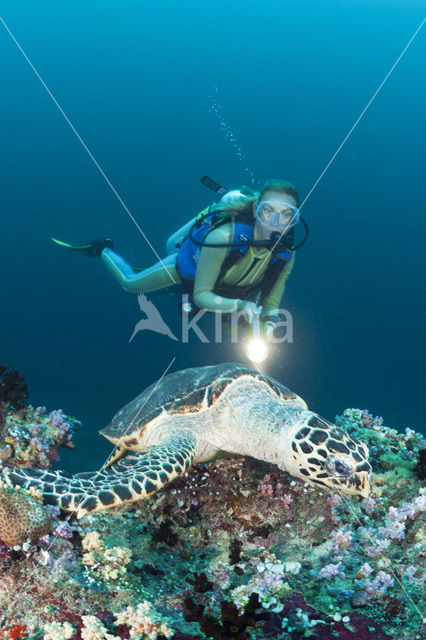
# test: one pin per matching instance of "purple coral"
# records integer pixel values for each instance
(395, 526)
(64, 530)
(364, 571)
(332, 570)
(341, 539)
(272, 487)
(380, 584)
(368, 505)
(32, 436)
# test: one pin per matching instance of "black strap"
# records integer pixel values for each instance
(235, 291)
(225, 290)
(271, 276)
(231, 259)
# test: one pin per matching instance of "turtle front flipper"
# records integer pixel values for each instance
(135, 477)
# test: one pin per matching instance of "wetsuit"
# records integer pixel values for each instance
(248, 271)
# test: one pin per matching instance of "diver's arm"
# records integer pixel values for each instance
(272, 301)
(208, 269)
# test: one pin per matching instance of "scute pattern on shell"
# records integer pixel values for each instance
(21, 517)
(186, 391)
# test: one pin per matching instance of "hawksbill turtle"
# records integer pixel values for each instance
(197, 415)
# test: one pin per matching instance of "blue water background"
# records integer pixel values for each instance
(137, 80)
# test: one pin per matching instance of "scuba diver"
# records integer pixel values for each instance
(236, 255)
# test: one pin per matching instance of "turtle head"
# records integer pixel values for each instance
(325, 455)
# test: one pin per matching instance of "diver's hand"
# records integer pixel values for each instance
(249, 310)
(272, 327)
(268, 328)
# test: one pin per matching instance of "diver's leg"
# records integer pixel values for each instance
(161, 275)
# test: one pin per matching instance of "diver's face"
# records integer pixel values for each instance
(273, 213)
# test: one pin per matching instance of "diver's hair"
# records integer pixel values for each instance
(237, 206)
(280, 186)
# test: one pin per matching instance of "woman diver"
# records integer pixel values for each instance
(236, 255)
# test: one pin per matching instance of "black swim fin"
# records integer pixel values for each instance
(92, 249)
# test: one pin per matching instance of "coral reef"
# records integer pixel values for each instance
(14, 633)
(13, 390)
(234, 549)
(21, 515)
(31, 436)
(230, 624)
(142, 623)
(108, 563)
(28, 437)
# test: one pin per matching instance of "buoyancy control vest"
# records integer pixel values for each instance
(243, 230)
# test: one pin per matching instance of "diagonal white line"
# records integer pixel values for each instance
(349, 506)
(342, 496)
(138, 413)
(90, 154)
(383, 557)
(363, 112)
(3, 618)
(345, 139)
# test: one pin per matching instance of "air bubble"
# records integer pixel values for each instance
(216, 109)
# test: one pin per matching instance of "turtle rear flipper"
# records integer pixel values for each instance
(135, 477)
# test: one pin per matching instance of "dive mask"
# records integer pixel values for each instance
(274, 216)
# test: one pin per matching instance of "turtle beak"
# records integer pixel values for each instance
(366, 484)
(359, 484)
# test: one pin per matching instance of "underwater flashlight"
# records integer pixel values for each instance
(257, 349)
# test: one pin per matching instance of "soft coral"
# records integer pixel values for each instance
(13, 390)
(16, 632)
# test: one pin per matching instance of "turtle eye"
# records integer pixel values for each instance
(338, 468)
(341, 468)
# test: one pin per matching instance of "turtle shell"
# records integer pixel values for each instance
(185, 391)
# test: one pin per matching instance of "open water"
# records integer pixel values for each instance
(163, 93)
